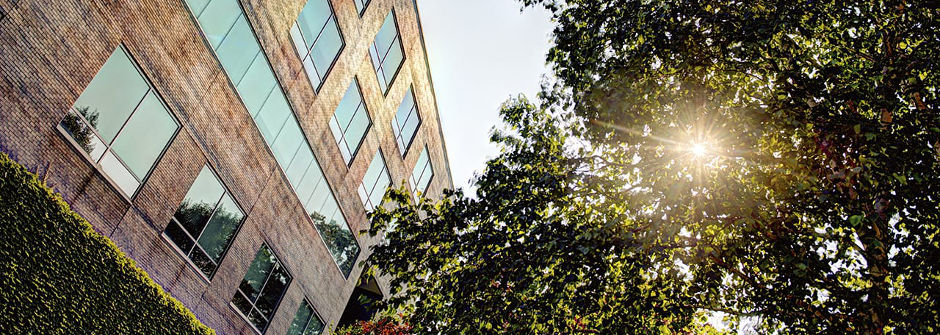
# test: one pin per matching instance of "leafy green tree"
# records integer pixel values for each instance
(774, 161)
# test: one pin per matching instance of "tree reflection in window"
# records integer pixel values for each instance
(205, 223)
(339, 240)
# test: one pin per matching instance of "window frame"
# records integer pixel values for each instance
(290, 105)
(404, 56)
(365, 109)
(365, 5)
(387, 173)
(228, 247)
(397, 130)
(277, 305)
(316, 314)
(342, 47)
(95, 164)
(414, 190)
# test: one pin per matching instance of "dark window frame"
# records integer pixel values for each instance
(151, 87)
(279, 85)
(228, 247)
(430, 179)
(339, 53)
(398, 125)
(372, 189)
(404, 56)
(354, 153)
(277, 305)
(365, 5)
(316, 314)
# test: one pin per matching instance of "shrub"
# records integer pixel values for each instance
(57, 275)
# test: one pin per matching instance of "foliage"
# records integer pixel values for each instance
(383, 326)
(776, 161)
(528, 255)
(818, 208)
(60, 276)
(81, 133)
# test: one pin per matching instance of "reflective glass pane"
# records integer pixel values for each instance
(258, 272)
(327, 47)
(372, 173)
(221, 228)
(200, 201)
(315, 327)
(119, 174)
(272, 116)
(312, 73)
(407, 103)
(347, 107)
(410, 128)
(83, 134)
(112, 95)
(309, 182)
(176, 234)
(380, 186)
(393, 61)
(357, 129)
(320, 196)
(202, 262)
(298, 40)
(217, 19)
(257, 320)
(336, 130)
(301, 318)
(364, 197)
(145, 136)
(257, 84)
(241, 303)
(299, 165)
(196, 6)
(312, 18)
(273, 290)
(383, 39)
(238, 50)
(287, 142)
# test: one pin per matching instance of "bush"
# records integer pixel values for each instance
(57, 275)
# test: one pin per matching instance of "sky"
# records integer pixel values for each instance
(481, 53)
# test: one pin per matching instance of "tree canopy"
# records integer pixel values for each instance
(772, 162)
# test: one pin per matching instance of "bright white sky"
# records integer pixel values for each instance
(482, 52)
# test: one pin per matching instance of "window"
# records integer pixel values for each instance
(350, 122)
(374, 183)
(205, 223)
(306, 321)
(121, 123)
(361, 5)
(387, 52)
(406, 122)
(422, 174)
(317, 39)
(262, 288)
(272, 113)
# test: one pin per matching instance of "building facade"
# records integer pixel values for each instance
(232, 148)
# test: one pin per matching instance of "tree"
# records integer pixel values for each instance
(776, 161)
(815, 180)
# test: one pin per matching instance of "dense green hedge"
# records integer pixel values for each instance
(57, 275)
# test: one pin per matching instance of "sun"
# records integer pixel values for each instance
(698, 149)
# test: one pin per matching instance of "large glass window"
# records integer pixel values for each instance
(306, 321)
(121, 123)
(350, 122)
(361, 5)
(406, 122)
(422, 174)
(272, 113)
(317, 39)
(205, 223)
(387, 52)
(262, 288)
(374, 183)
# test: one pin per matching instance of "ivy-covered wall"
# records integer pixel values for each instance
(57, 275)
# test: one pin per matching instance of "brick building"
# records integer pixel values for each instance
(232, 148)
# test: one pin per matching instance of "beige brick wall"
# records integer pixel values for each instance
(49, 52)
